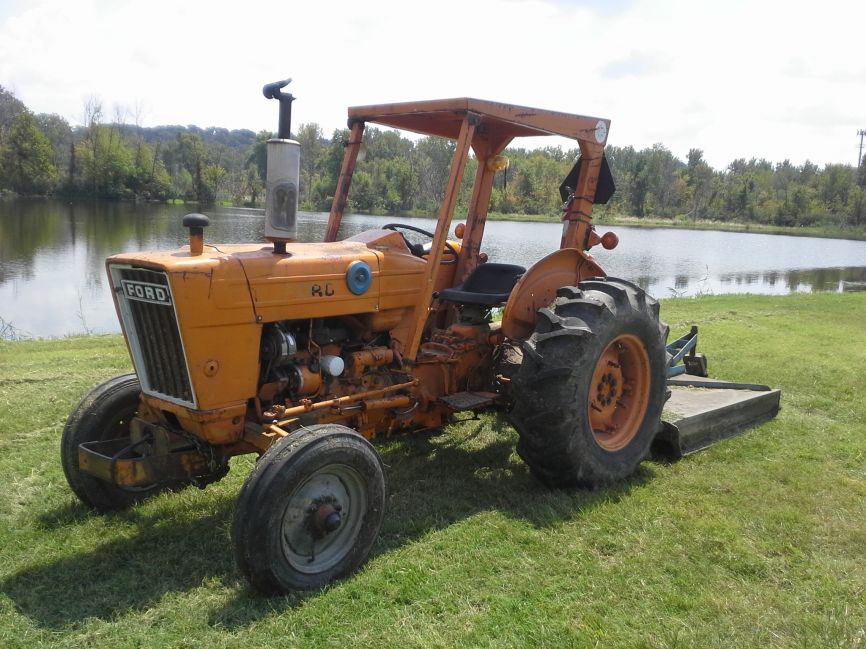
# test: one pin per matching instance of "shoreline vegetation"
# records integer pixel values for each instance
(42, 154)
(819, 231)
(754, 542)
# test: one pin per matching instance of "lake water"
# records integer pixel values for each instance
(52, 255)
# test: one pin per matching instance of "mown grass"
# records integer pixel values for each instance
(756, 542)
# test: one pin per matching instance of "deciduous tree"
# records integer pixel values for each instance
(26, 159)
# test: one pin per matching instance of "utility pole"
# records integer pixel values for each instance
(861, 133)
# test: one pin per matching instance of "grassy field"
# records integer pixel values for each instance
(756, 542)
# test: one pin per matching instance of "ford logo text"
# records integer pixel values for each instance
(146, 292)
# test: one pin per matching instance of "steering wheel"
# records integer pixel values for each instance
(417, 249)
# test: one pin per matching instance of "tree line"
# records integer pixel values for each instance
(118, 158)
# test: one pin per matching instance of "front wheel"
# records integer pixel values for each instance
(310, 511)
(589, 393)
(105, 413)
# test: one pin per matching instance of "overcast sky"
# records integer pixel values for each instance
(734, 78)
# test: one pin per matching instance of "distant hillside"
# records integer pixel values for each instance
(238, 138)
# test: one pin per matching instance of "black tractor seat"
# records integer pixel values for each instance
(488, 285)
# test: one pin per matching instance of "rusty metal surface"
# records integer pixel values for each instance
(538, 287)
(341, 194)
(308, 406)
(443, 117)
(578, 210)
(107, 461)
(418, 319)
(498, 123)
(485, 147)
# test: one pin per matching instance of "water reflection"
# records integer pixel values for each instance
(52, 256)
(800, 280)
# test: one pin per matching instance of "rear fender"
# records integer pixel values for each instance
(538, 287)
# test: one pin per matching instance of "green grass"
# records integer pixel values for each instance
(756, 542)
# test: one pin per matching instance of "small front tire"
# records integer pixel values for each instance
(310, 511)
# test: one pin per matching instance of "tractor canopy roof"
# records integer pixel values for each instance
(497, 121)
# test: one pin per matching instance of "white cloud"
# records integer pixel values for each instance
(636, 65)
(764, 79)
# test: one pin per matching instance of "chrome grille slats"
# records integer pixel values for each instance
(154, 337)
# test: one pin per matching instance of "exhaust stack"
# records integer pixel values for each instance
(284, 157)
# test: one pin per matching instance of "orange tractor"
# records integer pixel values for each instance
(303, 352)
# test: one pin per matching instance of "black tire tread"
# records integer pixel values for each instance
(550, 411)
(87, 423)
(259, 496)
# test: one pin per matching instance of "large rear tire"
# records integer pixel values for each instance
(310, 511)
(591, 388)
(103, 414)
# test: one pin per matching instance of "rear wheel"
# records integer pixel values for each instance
(590, 391)
(310, 511)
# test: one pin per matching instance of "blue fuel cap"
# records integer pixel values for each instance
(359, 277)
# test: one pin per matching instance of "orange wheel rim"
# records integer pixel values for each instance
(619, 392)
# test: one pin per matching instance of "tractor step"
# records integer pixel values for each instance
(460, 401)
(702, 411)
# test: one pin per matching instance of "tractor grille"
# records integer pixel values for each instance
(150, 322)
